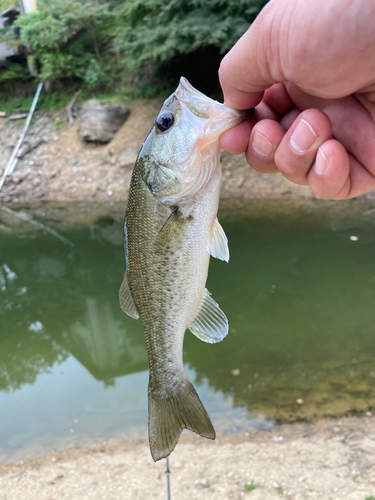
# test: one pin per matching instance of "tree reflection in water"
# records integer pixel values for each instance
(298, 294)
(56, 301)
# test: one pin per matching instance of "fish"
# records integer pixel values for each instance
(170, 231)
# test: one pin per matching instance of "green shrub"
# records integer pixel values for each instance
(94, 76)
(13, 72)
(157, 30)
(107, 43)
(65, 37)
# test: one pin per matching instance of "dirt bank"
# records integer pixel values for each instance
(64, 169)
(331, 460)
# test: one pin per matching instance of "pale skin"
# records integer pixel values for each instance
(308, 66)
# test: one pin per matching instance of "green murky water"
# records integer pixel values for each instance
(299, 294)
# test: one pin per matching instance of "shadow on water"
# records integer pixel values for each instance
(298, 293)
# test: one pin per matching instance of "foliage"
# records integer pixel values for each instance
(156, 30)
(94, 76)
(68, 38)
(14, 71)
(104, 43)
(4, 4)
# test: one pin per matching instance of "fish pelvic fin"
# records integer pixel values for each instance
(170, 414)
(218, 242)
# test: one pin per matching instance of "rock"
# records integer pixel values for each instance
(19, 175)
(127, 158)
(108, 156)
(16, 179)
(100, 121)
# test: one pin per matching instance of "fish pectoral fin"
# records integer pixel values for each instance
(210, 323)
(126, 299)
(170, 414)
(172, 231)
(218, 242)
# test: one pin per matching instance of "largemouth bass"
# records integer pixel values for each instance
(171, 229)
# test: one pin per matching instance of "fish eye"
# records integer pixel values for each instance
(164, 121)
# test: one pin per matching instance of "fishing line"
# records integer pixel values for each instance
(167, 472)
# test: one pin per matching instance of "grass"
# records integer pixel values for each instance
(15, 104)
(250, 486)
(58, 124)
(141, 93)
(121, 94)
(370, 498)
(47, 102)
(50, 102)
(279, 490)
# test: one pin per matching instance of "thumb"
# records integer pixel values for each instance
(248, 68)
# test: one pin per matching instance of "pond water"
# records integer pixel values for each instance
(299, 293)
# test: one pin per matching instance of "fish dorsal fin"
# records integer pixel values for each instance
(210, 323)
(126, 299)
(219, 242)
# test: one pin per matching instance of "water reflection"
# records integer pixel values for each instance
(102, 343)
(298, 293)
(64, 301)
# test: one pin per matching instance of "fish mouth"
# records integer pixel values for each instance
(192, 90)
(194, 93)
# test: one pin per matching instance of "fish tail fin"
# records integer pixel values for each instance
(170, 414)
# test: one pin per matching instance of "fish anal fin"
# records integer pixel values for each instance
(210, 324)
(172, 232)
(170, 414)
(126, 299)
(218, 242)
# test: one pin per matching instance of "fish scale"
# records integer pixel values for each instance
(170, 231)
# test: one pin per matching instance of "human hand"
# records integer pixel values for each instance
(309, 68)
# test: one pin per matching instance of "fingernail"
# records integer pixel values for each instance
(261, 145)
(303, 137)
(321, 162)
